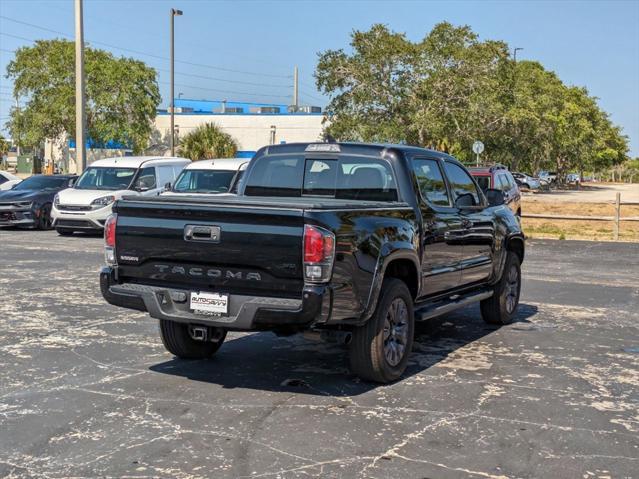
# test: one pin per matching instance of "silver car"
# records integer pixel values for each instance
(525, 181)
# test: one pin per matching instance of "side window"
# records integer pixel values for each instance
(146, 179)
(165, 175)
(3, 179)
(431, 182)
(464, 190)
(511, 181)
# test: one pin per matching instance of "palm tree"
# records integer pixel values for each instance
(207, 141)
(4, 146)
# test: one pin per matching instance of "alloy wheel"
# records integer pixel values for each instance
(395, 332)
(511, 290)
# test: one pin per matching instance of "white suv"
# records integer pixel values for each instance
(214, 177)
(86, 206)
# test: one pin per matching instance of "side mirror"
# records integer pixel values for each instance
(465, 201)
(141, 187)
(167, 186)
(495, 197)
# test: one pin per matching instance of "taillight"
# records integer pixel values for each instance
(319, 252)
(109, 239)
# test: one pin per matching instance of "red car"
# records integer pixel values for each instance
(499, 178)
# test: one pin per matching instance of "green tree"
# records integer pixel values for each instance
(207, 141)
(452, 88)
(121, 95)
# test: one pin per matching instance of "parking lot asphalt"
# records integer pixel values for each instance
(87, 389)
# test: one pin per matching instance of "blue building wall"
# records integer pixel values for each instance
(209, 107)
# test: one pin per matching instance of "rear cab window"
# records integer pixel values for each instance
(341, 177)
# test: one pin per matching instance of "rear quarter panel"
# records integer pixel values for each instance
(365, 241)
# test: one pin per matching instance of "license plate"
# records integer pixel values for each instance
(207, 303)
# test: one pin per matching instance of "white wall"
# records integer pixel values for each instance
(250, 131)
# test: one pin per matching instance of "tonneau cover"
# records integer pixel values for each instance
(304, 202)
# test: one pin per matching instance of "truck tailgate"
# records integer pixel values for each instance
(256, 249)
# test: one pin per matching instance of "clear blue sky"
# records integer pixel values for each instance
(588, 43)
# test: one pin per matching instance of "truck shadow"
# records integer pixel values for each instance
(293, 364)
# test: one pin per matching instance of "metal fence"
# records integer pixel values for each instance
(617, 218)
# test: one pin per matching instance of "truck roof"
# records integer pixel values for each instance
(374, 149)
(219, 164)
(137, 161)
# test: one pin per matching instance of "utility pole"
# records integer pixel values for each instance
(296, 102)
(174, 13)
(80, 115)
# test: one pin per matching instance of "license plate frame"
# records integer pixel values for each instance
(203, 302)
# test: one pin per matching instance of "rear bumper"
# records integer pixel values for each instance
(246, 313)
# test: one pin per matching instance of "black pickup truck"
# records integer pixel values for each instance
(344, 241)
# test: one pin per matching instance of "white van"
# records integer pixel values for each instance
(86, 206)
(215, 177)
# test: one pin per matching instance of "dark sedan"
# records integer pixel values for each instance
(29, 202)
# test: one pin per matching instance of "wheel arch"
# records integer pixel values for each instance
(516, 244)
(397, 261)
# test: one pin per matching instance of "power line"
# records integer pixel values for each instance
(313, 97)
(187, 86)
(225, 80)
(225, 91)
(17, 36)
(229, 70)
(239, 82)
(148, 35)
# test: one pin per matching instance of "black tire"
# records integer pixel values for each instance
(44, 221)
(501, 307)
(64, 231)
(372, 356)
(178, 341)
(526, 185)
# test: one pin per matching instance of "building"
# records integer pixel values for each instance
(252, 125)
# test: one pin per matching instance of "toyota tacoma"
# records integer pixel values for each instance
(348, 242)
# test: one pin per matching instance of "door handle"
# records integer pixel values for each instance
(202, 233)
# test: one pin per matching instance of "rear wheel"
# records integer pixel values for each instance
(501, 307)
(380, 348)
(178, 341)
(64, 231)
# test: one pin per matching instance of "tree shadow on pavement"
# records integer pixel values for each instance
(263, 361)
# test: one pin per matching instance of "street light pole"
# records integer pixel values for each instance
(515, 53)
(80, 115)
(174, 13)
